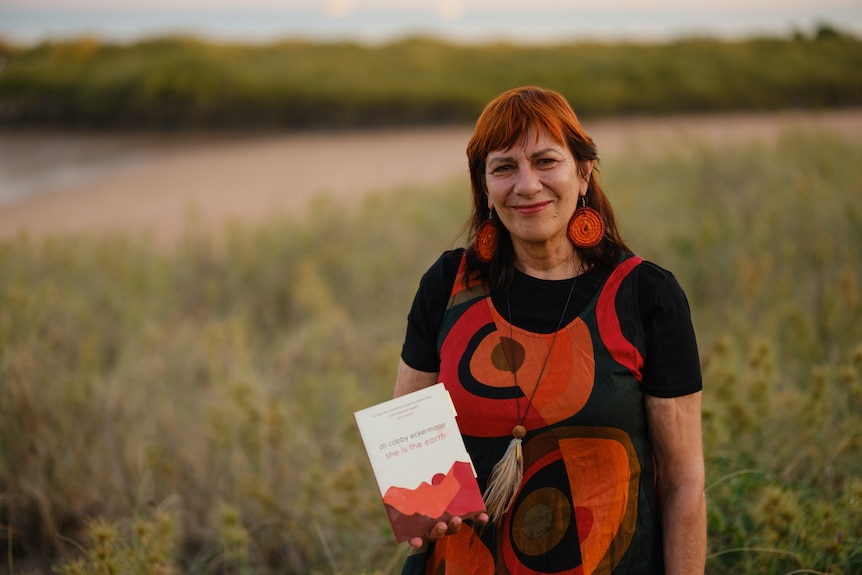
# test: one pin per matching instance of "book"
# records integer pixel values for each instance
(419, 460)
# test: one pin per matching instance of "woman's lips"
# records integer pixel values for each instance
(530, 209)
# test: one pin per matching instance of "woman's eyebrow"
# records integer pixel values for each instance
(536, 154)
(500, 159)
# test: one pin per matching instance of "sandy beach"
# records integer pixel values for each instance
(57, 184)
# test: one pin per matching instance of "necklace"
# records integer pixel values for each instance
(507, 473)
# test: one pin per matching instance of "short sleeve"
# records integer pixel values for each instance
(671, 362)
(426, 314)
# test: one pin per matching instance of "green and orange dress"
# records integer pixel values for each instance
(587, 503)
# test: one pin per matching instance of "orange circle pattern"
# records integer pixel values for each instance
(586, 228)
(486, 241)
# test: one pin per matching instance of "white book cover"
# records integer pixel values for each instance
(418, 457)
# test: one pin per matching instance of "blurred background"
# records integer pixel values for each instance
(214, 216)
(542, 21)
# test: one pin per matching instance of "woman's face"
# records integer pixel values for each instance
(534, 187)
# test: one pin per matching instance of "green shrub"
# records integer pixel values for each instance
(183, 83)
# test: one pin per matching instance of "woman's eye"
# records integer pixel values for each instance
(501, 169)
(546, 162)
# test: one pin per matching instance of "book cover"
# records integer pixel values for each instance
(422, 468)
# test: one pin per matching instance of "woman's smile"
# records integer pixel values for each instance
(530, 209)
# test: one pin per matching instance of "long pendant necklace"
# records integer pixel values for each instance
(507, 473)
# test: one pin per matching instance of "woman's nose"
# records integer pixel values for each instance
(528, 182)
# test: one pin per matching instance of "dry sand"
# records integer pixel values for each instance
(54, 184)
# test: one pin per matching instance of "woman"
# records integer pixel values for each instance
(571, 362)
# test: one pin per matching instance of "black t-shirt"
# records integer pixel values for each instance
(671, 362)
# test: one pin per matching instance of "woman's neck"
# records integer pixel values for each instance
(557, 262)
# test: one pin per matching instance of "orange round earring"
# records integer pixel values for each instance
(485, 243)
(586, 228)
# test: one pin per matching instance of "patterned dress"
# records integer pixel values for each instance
(587, 503)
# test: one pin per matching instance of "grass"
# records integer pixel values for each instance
(190, 410)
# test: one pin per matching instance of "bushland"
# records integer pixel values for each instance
(188, 84)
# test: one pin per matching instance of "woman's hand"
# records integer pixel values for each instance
(440, 530)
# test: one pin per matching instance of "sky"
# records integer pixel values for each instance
(531, 21)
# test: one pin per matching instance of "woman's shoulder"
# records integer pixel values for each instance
(651, 274)
(651, 284)
(445, 268)
(646, 275)
(657, 286)
(451, 258)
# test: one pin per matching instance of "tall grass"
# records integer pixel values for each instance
(189, 411)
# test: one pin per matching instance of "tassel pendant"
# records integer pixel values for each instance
(506, 478)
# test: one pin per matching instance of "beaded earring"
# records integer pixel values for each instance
(586, 228)
(485, 243)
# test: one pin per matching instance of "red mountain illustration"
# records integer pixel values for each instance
(414, 511)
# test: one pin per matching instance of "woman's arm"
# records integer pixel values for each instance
(674, 425)
(409, 379)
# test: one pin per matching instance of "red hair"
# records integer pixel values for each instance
(504, 121)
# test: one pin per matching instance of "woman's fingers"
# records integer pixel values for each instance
(442, 529)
